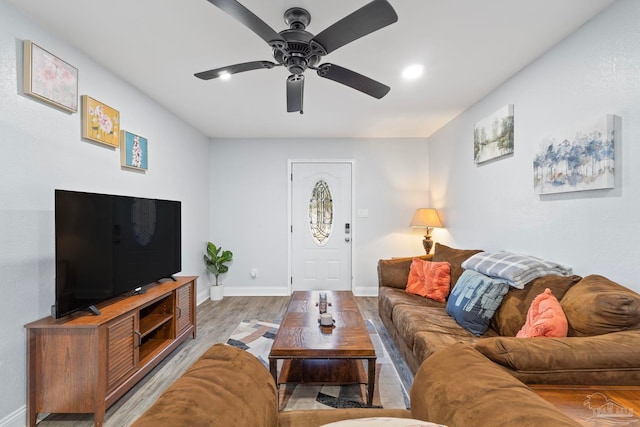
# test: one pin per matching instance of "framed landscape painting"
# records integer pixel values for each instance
(134, 152)
(576, 158)
(100, 123)
(493, 135)
(50, 79)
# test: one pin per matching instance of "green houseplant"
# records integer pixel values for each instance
(216, 261)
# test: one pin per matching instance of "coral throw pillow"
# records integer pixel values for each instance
(429, 279)
(545, 318)
(415, 281)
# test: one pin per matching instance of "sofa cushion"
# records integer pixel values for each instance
(466, 389)
(455, 258)
(475, 299)
(617, 351)
(596, 305)
(513, 311)
(429, 279)
(426, 343)
(545, 318)
(227, 386)
(411, 319)
(393, 272)
(388, 298)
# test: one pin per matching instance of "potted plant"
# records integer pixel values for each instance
(216, 259)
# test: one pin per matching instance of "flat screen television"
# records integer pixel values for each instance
(109, 245)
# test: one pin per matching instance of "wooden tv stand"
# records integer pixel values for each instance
(84, 363)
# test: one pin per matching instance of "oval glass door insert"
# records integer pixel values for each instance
(321, 213)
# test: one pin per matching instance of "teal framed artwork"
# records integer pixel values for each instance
(134, 151)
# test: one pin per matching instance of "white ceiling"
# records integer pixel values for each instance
(468, 48)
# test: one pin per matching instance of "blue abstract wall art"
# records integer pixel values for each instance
(579, 157)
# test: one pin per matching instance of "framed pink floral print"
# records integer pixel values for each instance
(100, 122)
(50, 79)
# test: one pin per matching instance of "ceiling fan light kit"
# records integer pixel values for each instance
(298, 50)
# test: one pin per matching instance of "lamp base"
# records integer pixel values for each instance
(428, 244)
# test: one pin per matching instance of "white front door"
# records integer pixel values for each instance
(320, 226)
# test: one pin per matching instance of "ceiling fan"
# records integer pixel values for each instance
(298, 50)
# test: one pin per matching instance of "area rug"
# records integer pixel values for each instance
(256, 337)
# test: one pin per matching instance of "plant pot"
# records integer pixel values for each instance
(216, 292)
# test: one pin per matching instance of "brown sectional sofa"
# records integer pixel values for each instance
(603, 341)
(230, 387)
(461, 380)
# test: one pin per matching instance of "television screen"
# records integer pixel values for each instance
(108, 245)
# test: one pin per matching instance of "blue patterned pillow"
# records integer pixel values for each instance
(475, 299)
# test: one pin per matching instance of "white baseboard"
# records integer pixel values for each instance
(275, 291)
(365, 291)
(17, 418)
(256, 291)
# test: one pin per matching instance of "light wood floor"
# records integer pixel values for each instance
(216, 321)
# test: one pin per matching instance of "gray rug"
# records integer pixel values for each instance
(256, 337)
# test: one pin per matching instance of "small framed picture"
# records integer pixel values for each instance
(493, 135)
(100, 122)
(134, 152)
(49, 78)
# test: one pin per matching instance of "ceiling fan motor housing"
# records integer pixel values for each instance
(296, 55)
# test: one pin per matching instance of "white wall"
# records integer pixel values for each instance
(42, 150)
(594, 72)
(249, 204)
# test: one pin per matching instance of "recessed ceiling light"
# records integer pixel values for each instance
(412, 71)
(225, 76)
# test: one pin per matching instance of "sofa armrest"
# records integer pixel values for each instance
(458, 386)
(319, 417)
(395, 272)
(615, 351)
(225, 387)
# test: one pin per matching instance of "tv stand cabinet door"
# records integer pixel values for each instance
(64, 366)
(122, 342)
(185, 308)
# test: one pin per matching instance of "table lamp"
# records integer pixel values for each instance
(426, 218)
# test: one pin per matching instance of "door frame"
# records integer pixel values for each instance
(353, 233)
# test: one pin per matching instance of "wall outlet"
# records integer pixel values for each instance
(254, 273)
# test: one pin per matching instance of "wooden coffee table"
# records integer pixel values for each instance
(314, 354)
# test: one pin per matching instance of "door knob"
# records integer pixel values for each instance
(347, 239)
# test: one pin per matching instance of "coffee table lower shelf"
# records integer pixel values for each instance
(326, 372)
(322, 372)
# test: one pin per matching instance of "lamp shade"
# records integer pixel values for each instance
(425, 217)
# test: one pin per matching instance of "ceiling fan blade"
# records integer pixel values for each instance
(251, 21)
(354, 80)
(369, 18)
(237, 68)
(295, 90)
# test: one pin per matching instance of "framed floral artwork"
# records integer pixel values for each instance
(100, 122)
(50, 79)
(134, 152)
